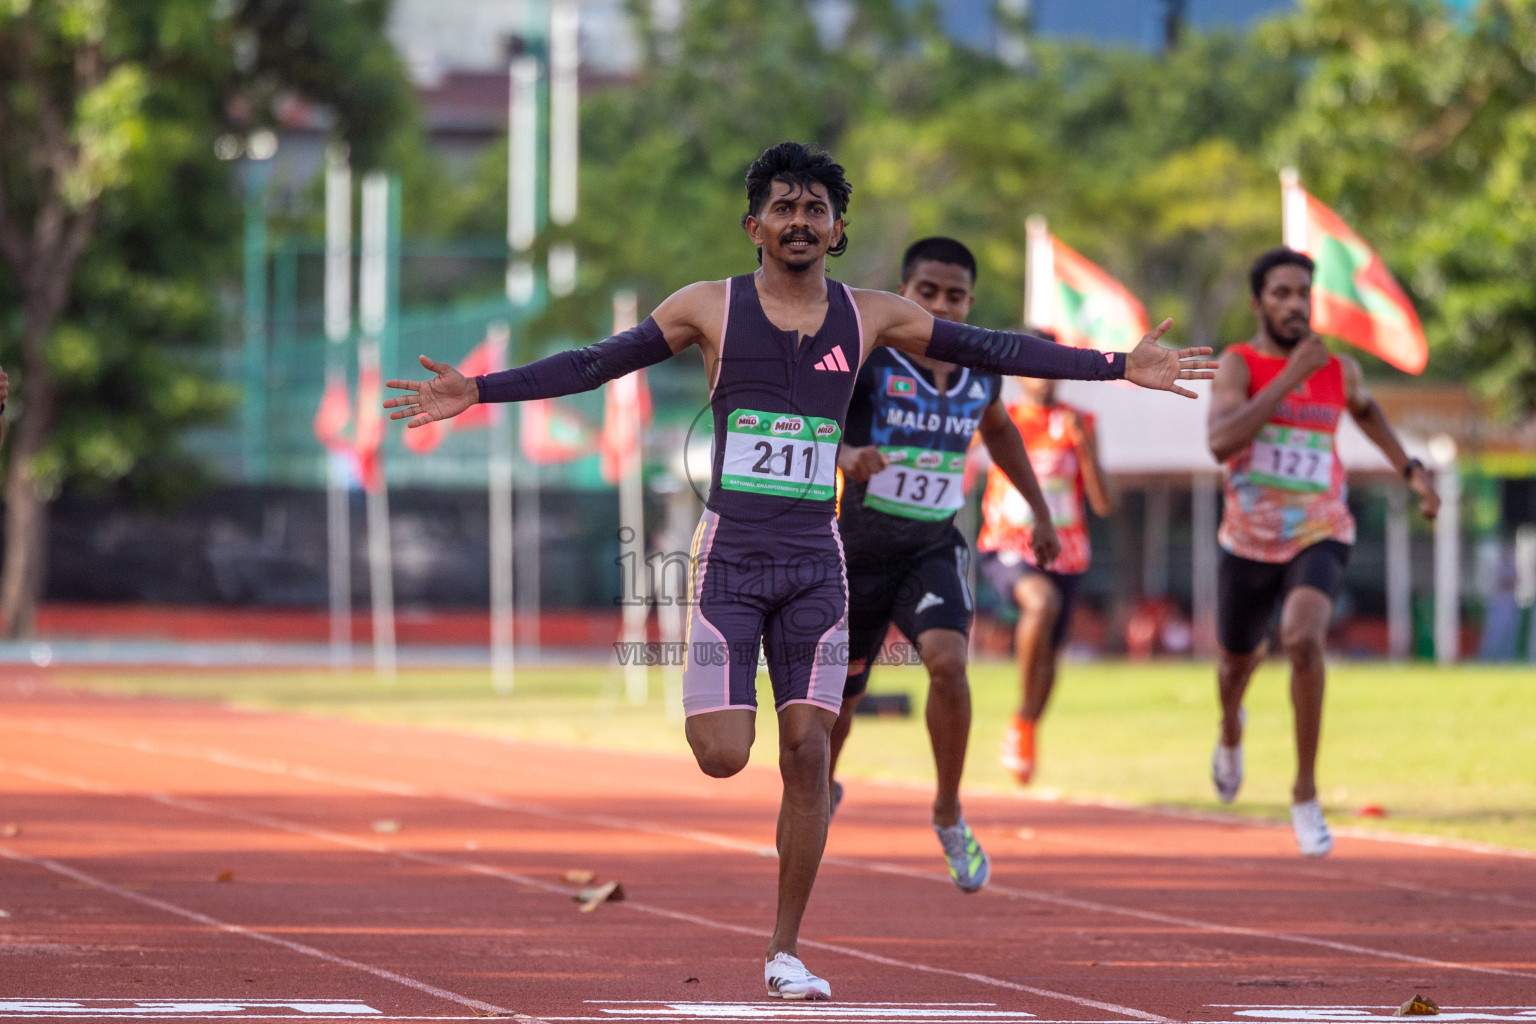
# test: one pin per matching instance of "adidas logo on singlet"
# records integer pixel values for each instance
(930, 600)
(833, 361)
(977, 391)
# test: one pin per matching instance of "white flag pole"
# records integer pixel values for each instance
(338, 330)
(373, 292)
(631, 512)
(499, 494)
(522, 231)
(1039, 274)
(1293, 210)
(522, 176)
(564, 97)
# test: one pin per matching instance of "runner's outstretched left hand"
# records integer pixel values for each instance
(442, 397)
(1153, 366)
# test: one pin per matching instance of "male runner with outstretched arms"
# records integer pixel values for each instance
(910, 424)
(1286, 530)
(1064, 453)
(781, 347)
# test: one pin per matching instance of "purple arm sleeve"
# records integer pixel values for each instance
(579, 369)
(1020, 355)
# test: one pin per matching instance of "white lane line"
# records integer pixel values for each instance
(1245, 864)
(47, 775)
(259, 936)
(279, 767)
(177, 1006)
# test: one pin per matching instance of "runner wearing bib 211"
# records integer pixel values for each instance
(784, 342)
(1286, 527)
(910, 424)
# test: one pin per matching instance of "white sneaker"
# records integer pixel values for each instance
(1227, 765)
(787, 978)
(1312, 834)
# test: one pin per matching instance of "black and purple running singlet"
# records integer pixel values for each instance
(767, 559)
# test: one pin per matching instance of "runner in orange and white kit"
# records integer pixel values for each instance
(1063, 451)
(1286, 528)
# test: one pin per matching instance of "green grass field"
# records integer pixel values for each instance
(1446, 752)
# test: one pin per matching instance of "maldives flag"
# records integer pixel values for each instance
(370, 426)
(626, 412)
(1069, 295)
(1354, 296)
(553, 432)
(333, 415)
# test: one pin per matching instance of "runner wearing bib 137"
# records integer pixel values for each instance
(1286, 528)
(910, 424)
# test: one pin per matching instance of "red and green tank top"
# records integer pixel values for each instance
(1051, 443)
(1286, 491)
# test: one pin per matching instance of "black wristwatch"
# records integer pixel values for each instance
(1410, 466)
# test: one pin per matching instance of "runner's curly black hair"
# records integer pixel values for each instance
(795, 163)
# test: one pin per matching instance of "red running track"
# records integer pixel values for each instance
(128, 812)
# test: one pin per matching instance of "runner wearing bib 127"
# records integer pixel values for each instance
(781, 347)
(1286, 527)
(1063, 449)
(909, 427)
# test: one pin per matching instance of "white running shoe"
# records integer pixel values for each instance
(969, 865)
(1311, 829)
(1227, 765)
(787, 978)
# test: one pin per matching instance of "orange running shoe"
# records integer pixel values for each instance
(1018, 753)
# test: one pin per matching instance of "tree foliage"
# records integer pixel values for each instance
(118, 224)
(1414, 120)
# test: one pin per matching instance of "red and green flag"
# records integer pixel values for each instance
(1067, 294)
(1354, 296)
(553, 432)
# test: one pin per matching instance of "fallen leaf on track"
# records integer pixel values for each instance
(224, 876)
(579, 876)
(386, 825)
(1418, 1006)
(609, 892)
(10, 830)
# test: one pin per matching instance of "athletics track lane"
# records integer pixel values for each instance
(129, 810)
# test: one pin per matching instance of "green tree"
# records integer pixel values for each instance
(117, 221)
(1418, 123)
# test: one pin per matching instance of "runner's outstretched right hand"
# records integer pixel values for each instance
(441, 398)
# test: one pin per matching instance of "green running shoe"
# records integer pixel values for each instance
(969, 865)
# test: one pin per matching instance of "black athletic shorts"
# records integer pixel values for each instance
(1248, 592)
(918, 592)
(1004, 569)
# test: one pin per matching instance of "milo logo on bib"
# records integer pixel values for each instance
(777, 453)
(928, 460)
(787, 425)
